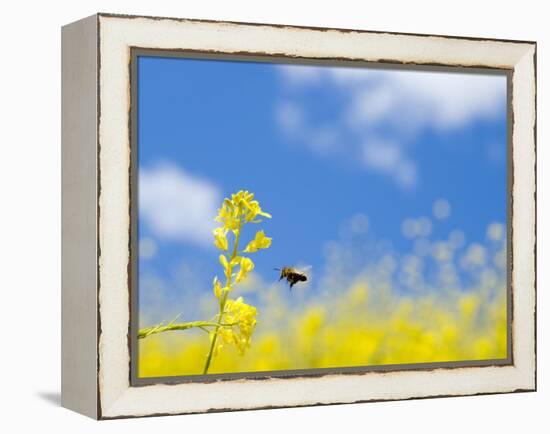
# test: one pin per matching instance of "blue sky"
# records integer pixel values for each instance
(390, 154)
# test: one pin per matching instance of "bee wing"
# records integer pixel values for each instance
(305, 269)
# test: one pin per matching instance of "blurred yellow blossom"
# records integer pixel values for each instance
(362, 322)
(358, 329)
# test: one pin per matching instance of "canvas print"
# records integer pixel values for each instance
(317, 217)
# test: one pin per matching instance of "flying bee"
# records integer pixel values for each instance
(292, 275)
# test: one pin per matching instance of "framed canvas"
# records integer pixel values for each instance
(261, 216)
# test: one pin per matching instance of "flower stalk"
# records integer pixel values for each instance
(225, 292)
(160, 328)
(235, 320)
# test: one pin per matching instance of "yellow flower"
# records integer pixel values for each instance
(229, 216)
(243, 318)
(220, 239)
(242, 196)
(226, 266)
(260, 241)
(217, 287)
(253, 210)
(241, 204)
(226, 335)
(236, 320)
(246, 267)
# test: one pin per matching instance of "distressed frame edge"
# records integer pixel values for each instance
(528, 388)
(306, 27)
(529, 63)
(79, 182)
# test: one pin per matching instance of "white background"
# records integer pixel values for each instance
(30, 216)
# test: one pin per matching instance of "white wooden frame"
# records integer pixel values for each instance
(96, 217)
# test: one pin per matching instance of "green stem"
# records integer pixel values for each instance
(223, 301)
(160, 328)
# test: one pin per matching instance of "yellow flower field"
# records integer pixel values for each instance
(359, 329)
(366, 321)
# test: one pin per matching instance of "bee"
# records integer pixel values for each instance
(292, 275)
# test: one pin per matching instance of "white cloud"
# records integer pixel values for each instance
(405, 102)
(440, 100)
(290, 117)
(299, 75)
(436, 100)
(388, 158)
(147, 248)
(321, 138)
(177, 205)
